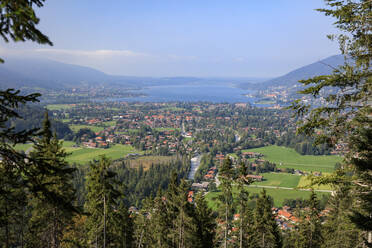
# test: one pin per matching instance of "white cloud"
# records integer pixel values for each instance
(91, 53)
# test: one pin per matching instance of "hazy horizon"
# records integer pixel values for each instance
(189, 39)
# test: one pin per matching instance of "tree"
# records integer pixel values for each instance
(338, 230)
(205, 223)
(107, 220)
(266, 230)
(245, 220)
(226, 174)
(18, 21)
(310, 228)
(48, 218)
(345, 118)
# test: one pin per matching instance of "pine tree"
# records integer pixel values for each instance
(107, 222)
(266, 230)
(143, 229)
(18, 21)
(346, 115)
(226, 174)
(75, 234)
(205, 223)
(338, 230)
(162, 228)
(245, 220)
(184, 223)
(310, 227)
(13, 215)
(49, 219)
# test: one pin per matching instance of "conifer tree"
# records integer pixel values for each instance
(310, 227)
(345, 118)
(49, 219)
(265, 227)
(75, 234)
(205, 223)
(18, 21)
(161, 225)
(143, 229)
(245, 220)
(338, 230)
(13, 215)
(226, 173)
(106, 221)
(184, 223)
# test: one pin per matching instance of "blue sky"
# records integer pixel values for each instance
(183, 37)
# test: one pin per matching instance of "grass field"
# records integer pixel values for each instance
(95, 129)
(66, 144)
(162, 129)
(288, 158)
(60, 106)
(305, 182)
(84, 155)
(279, 195)
(279, 180)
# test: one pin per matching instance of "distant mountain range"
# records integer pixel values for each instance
(48, 74)
(322, 67)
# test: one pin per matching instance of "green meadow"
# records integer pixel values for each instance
(82, 155)
(279, 195)
(279, 180)
(288, 158)
(59, 106)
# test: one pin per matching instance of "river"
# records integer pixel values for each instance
(195, 162)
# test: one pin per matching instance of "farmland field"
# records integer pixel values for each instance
(162, 129)
(288, 158)
(60, 106)
(279, 195)
(84, 155)
(66, 145)
(279, 179)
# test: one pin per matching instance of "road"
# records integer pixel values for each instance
(276, 187)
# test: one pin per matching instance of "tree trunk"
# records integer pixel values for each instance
(241, 232)
(6, 228)
(226, 226)
(104, 221)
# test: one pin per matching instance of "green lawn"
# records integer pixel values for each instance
(279, 195)
(162, 129)
(279, 179)
(95, 129)
(84, 155)
(59, 106)
(288, 158)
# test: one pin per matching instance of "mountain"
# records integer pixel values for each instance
(48, 74)
(322, 67)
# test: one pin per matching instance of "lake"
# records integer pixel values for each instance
(191, 93)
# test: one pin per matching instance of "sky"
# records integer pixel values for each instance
(204, 38)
